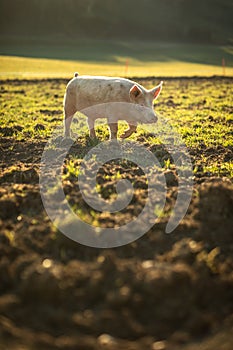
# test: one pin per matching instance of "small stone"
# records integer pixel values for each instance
(159, 345)
(106, 339)
(147, 264)
(47, 263)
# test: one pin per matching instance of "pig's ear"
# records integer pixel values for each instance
(156, 91)
(135, 92)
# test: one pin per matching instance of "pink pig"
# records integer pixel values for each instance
(111, 98)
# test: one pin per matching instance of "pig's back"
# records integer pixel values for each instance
(97, 89)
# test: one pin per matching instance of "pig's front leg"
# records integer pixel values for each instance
(132, 128)
(91, 126)
(113, 130)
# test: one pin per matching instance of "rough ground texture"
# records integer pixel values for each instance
(160, 292)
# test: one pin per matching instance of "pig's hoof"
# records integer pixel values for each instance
(58, 139)
(67, 140)
(125, 135)
(92, 141)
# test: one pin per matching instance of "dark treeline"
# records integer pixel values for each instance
(179, 20)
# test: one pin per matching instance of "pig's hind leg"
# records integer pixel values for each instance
(68, 120)
(91, 126)
(132, 128)
(113, 127)
(69, 111)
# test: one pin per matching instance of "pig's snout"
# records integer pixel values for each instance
(149, 115)
(155, 118)
(152, 118)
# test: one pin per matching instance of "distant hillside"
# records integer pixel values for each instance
(180, 20)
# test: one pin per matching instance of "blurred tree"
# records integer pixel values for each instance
(180, 20)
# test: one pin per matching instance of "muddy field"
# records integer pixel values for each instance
(161, 292)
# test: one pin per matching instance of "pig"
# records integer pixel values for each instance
(88, 93)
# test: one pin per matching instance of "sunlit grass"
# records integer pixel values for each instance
(27, 58)
(21, 67)
(200, 113)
